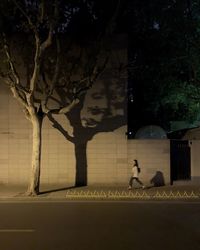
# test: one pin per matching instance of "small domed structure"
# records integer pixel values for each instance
(151, 132)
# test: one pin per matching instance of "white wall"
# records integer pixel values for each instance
(107, 158)
(153, 156)
(109, 154)
(106, 151)
(195, 159)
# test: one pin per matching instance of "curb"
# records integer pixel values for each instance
(116, 195)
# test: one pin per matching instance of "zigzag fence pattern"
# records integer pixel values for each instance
(129, 195)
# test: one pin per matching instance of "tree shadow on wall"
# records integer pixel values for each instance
(106, 113)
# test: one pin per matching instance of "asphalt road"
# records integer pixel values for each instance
(99, 225)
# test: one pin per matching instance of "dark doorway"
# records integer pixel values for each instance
(180, 160)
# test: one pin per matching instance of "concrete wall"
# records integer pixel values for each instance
(105, 149)
(193, 137)
(107, 158)
(97, 127)
(15, 137)
(195, 160)
(109, 154)
(153, 157)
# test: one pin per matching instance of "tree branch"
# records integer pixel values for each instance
(58, 126)
(18, 96)
(40, 49)
(36, 70)
(48, 90)
(47, 43)
(32, 26)
(10, 62)
(57, 67)
(69, 107)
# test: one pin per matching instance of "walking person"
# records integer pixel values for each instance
(135, 175)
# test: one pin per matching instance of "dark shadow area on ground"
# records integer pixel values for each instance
(46, 191)
(56, 190)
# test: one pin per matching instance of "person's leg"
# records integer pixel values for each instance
(130, 182)
(139, 181)
(133, 178)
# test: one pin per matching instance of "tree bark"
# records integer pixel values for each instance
(34, 183)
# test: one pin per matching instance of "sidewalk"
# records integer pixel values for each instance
(64, 193)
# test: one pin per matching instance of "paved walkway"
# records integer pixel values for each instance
(55, 192)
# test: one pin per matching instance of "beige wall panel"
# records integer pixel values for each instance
(153, 156)
(109, 154)
(195, 159)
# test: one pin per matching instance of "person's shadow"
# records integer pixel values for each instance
(158, 179)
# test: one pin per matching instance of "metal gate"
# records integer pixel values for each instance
(180, 160)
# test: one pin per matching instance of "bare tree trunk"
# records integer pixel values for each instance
(34, 184)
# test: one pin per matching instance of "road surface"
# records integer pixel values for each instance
(99, 225)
